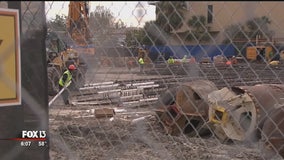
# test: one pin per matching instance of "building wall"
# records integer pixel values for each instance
(228, 13)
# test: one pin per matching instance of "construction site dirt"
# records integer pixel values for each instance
(133, 131)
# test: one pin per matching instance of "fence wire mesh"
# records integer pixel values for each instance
(210, 85)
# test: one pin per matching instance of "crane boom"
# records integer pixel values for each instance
(78, 22)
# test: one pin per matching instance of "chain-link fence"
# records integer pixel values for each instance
(154, 80)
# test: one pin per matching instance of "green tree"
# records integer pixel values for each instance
(148, 35)
(240, 34)
(249, 30)
(259, 26)
(101, 19)
(54, 26)
(234, 32)
(119, 24)
(199, 31)
(133, 37)
(57, 24)
(169, 15)
(153, 35)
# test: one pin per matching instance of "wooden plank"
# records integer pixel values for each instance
(104, 112)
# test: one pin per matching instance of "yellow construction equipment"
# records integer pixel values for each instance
(61, 57)
(78, 26)
(258, 53)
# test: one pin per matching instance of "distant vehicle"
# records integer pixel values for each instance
(261, 53)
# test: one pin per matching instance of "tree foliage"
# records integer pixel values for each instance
(119, 24)
(235, 31)
(134, 37)
(249, 30)
(57, 24)
(101, 19)
(169, 15)
(259, 26)
(148, 35)
(153, 35)
(53, 42)
(241, 34)
(199, 30)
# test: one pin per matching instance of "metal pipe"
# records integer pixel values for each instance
(148, 99)
(238, 112)
(93, 102)
(109, 91)
(98, 84)
(139, 84)
(148, 86)
(140, 102)
(131, 98)
(100, 87)
(130, 92)
(190, 99)
(58, 94)
(107, 86)
(272, 136)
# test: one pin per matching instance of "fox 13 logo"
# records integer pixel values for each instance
(33, 134)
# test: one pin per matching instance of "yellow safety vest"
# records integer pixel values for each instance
(171, 61)
(141, 61)
(69, 77)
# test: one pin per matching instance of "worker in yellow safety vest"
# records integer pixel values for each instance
(171, 60)
(141, 64)
(184, 59)
(65, 81)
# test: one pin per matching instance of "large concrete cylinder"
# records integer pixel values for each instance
(272, 134)
(187, 110)
(239, 113)
(191, 97)
(266, 97)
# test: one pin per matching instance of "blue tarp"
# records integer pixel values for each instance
(197, 51)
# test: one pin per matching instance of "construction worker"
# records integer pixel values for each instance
(192, 60)
(129, 64)
(171, 60)
(184, 59)
(65, 81)
(141, 64)
(234, 60)
(229, 62)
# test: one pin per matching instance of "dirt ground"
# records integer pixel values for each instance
(131, 134)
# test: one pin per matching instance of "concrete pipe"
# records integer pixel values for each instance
(164, 101)
(266, 98)
(239, 113)
(272, 134)
(189, 112)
